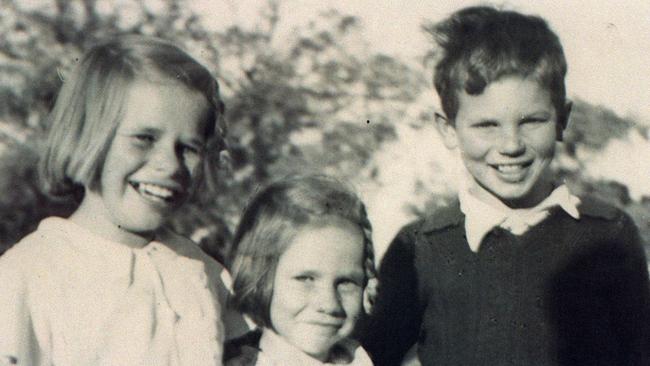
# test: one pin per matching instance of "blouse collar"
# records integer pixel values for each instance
(277, 351)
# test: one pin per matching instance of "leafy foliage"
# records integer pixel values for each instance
(310, 104)
(591, 127)
(318, 101)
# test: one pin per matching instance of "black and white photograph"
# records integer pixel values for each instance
(302, 182)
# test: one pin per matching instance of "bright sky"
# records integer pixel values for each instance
(607, 43)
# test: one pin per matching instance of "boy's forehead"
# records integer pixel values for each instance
(512, 94)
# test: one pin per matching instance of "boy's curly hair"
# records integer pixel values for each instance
(482, 44)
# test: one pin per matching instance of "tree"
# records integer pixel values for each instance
(43, 41)
(310, 103)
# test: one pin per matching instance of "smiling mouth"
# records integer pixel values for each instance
(156, 193)
(512, 172)
(327, 326)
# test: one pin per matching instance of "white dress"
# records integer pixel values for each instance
(69, 297)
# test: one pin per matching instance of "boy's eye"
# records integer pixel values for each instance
(534, 120)
(485, 124)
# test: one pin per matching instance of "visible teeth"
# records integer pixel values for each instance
(155, 190)
(509, 168)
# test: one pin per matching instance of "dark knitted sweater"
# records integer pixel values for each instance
(242, 351)
(567, 292)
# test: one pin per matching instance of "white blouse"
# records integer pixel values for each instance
(276, 351)
(69, 297)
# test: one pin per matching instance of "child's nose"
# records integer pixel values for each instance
(167, 160)
(511, 143)
(328, 300)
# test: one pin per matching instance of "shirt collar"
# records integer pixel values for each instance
(280, 352)
(86, 240)
(481, 217)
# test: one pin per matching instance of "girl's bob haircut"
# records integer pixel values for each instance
(90, 106)
(269, 224)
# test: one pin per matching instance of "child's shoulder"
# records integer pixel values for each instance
(41, 243)
(185, 247)
(38, 254)
(596, 208)
(438, 219)
(606, 218)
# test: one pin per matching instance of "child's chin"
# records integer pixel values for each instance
(317, 351)
(314, 346)
(146, 225)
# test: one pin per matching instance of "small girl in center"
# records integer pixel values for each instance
(111, 284)
(302, 263)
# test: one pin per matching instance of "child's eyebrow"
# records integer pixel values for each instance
(357, 273)
(540, 114)
(139, 129)
(307, 272)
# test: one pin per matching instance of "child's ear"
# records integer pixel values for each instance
(563, 120)
(447, 131)
(370, 295)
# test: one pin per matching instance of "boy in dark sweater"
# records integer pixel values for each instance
(519, 271)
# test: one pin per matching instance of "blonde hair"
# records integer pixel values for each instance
(270, 223)
(90, 106)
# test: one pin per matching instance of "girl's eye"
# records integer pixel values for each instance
(304, 278)
(533, 123)
(144, 138)
(348, 285)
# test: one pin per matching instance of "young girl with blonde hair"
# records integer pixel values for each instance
(111, 285)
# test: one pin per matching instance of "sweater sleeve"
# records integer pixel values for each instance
(631, 294)
(18, 343)
(394, 325)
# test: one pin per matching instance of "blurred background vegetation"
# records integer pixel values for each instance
(320, 101)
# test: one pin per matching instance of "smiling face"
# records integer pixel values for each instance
(506, 137)
(318, 287)
(152, 163)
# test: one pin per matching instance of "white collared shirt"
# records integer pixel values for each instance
(276, 351)
(481, 217)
